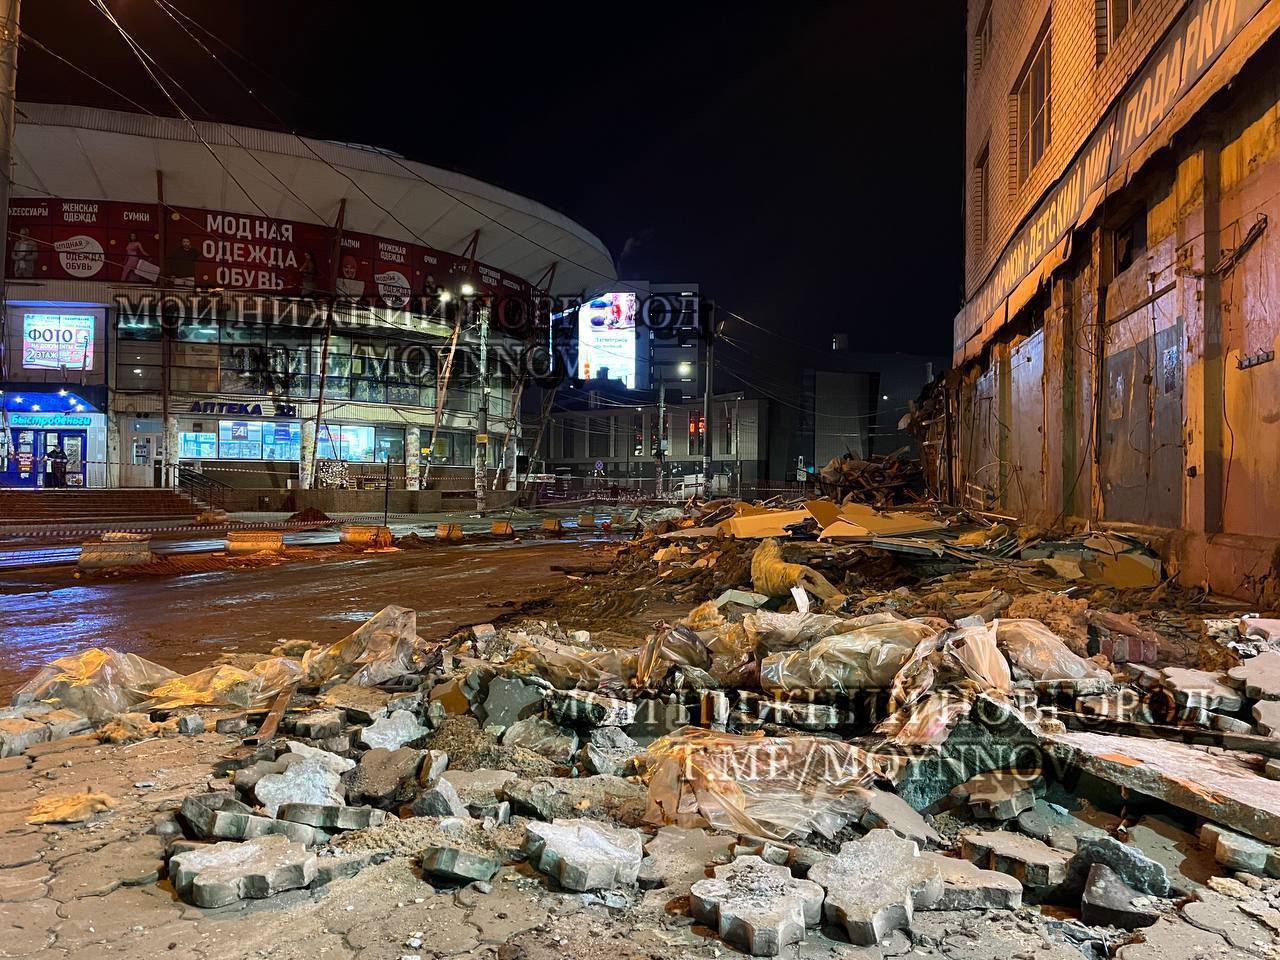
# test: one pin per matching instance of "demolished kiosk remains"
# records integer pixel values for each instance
(839, 722)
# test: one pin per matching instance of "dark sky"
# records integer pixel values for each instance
(802, 162)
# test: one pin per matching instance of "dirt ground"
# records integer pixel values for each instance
(184, 622)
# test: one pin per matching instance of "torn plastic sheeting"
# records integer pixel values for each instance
(567, 667)
(976, 650)
(97, 683)
(771, 632)
(228, 686)
(1035, 649)
(868, 657)
(775, 787)
(928, 723)
(380, 649)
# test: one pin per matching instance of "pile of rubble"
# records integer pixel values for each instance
(831, 735)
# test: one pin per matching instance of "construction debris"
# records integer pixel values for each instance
(783, 711)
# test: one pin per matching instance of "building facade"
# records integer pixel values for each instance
(614, 443)
(1114, 358)
(268, 310)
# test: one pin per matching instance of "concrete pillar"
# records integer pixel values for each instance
(113, 448)
(412, 458)
(307, 455)
(170, 452)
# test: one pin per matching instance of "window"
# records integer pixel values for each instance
(980, 209)
(697, 432)
(1034, 97)
(982, 40)
(1110, 19)
(726, 438)
(239, 440)
(346, 442)
(597, 438)
(282, 441)
(637, 434)
(197, 446)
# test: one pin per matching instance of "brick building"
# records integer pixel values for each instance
(1114, 357)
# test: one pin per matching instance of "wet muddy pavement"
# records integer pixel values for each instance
(184, 622)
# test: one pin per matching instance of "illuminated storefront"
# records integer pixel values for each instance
(111, 283)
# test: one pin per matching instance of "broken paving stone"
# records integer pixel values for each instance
(677, 858)
(1225, 724)
(331, 760)
(555, 798)
(456, 864)
(308, 780)
(509, 701)
(756, 905)
(1055, 826)
(585, 854)
(450, 697)
(1202, 689)
(1267, 715)
(320, 725)
(360, 704)
(1037, 865)
(889, 811)
(332, 817)
(220, 817)
(610, 751)
(329, 869)
(543, 737)
(875, 884)
(386, 778)
(1260, 676)
(223, 873)
(585, 708)
(191, 725)
(19, 733)
(393, 731)
(1238, 852)
(478, 791)
(1129, 863)
(966, 886)
(997, 794)
(440, 800)
(1110, 902)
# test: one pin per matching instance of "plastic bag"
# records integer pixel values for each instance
(867, 657)
(1037, 650)
(228, 686)
(976, 650)
(380, 649)
(96, 683)
(773, 787)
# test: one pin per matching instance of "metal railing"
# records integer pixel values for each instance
(202, 489)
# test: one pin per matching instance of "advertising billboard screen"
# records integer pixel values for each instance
(607, 338)
(54, 340)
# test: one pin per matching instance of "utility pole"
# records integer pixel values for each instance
(482, 415)
(10, 12)
(709, 326)
(660, 458)
(737, 451)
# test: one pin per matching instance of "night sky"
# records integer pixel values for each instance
(802, 163)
